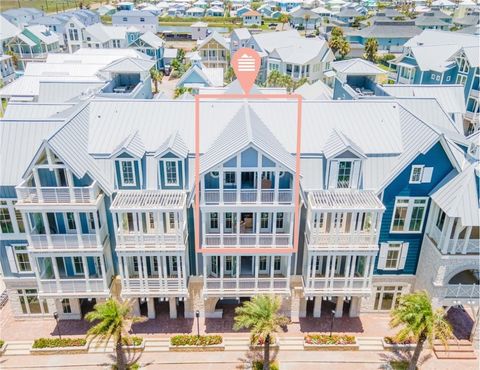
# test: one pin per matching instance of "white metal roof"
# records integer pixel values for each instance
(31, 111)
(7, 29)
(149, 200)
(316, 91)
(151, 39)
(214, 36)
(175, 144)
(357, 66)
(344, 199)
(337, 143)
(132, 144)
(129, 65)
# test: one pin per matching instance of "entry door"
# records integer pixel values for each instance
(214, 265)
(170, 223)
(265, 222)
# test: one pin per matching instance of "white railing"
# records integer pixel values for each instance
(212, 196)
(248, 286)
(58, 194)
(463, 291)
(337, 284)
(323, 239)
(246, 240)
(72, 286)
(135, 240)
(154, 285)
(67, 241)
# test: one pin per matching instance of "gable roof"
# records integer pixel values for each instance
(214, 36)
(174, 144)
(357, 66)
(151, 39)
(129, 65)
(133, 144)
(7, 29)
(338, 143)
(245, 129)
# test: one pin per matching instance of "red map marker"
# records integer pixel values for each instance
(246, 64)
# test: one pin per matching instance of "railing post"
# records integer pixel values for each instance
(104, 273)
(86, 274)
(38, 185)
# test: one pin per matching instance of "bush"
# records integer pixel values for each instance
(327, 339)
(258, 365)
(133, 341)
(195, 340)
(392, 340)
(261, 341)
(385, 58)
(57, 342)
(2, 342)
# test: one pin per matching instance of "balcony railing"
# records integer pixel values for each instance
(247, 240)
(212, 196)
(324, 239)
(135, 240)
(249, 286)
(67, 241)
(72, 286)
(87, 194)
(154, 286)
(338, 284)
(463, 291)
(458, 247)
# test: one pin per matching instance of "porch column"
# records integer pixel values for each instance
(221, 217)
(47, 230)
(332, 271)
(290, 227)
(172, 305)
(327, 271)
(239, 265)
(184, 273)
(466, 239)
(140, 272)
(162, 282)
(222, 264)
(136, 307)
(70, 181)
(97, 228)
(238, 228)
(276, 185)
(352, 271)
(78, 228)
(367, 271)
(274, 227)
(272, 270)
(56, 274)
(122, 273)
(140, 230)
(86, 274)
(151, 307)
(309, 281)
(339, 307)
(258, 218)
(259, 178)
(38, 184)
(458, 230)
(159, 232)
(257, 267)
(37, 273)
(220, 185)
(354, 306)
(353, 224)
(289, 267)
(445, 238)
(347, 270)
(238, 177)
(127, 273)
(104, 272)
(317, 306)
(205, 258)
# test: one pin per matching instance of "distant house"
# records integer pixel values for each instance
(7, 32)
(429, 21)
(198, 76)
(267, 11)
(168, 56)
(21, 17)
(33, 44)
(347, 15)
(195, 12)
(215, 11)
(214, 51)
(151, 45)
(199, 30)
(143, 20)
(252, 18)
(125, 5)
(106, 10)
(467, 20)
(241, 11)
(7, 70)
(305, 18)
(238, 39)
(287, 5)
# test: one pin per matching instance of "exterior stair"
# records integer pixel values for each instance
(291, 343)
(457, 350)
(236, 344)
(156, 344)
(370, 343)
(18, 348)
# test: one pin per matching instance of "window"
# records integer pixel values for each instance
(463, 66)
(440, 220)
(77, 265)
(392, 256)
(70, 221)
(91, 221)
(262, 263)
(433, 76)
(344, 174)
(171, 173)
(438, 78)
(142, 19)
(30, 303)
(277, 263)
(228, 264)
(22, 259)
(408, 215)
(19, 219)
(127, 174)
(228, 220)
(124, 19)
(116, 43)
(171, 220)
(6, 224)
(229, 178)
(264, 220)
(318, 220)
(386, 297)
(461, 79)
(66, 308)
(280, 220)
(448, 78)
(214, 220)
(416, 175)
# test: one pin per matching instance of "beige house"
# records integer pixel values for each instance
(214, 51)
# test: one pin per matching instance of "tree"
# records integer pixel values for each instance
(261, 316)
(371, 48)
(229, 75)
(156, 77)
(344, 48)
(284, 18)
(114, 319)
(337, 32)
(255, 5)
(306, 18)
(420, 322)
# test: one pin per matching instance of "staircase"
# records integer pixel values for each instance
(370, 343)
(237, 344)
(18, 348)
(291, 343)
(456, 350)
(156, 344)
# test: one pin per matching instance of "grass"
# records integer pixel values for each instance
(48, 6)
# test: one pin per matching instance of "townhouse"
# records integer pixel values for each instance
(142, 20)
(439, 57)
(375, 179)
(214, 51)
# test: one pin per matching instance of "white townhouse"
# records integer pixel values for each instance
(292, 55)
(143, 20)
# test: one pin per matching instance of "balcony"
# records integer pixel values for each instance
(463, 291)
(268, 196)
(73, 287)
(212, 241)
(58, 195)
(232, 287)
(154, 286)
(318, 240)
(152, 241)
(40, 242)
(340, 285)
(451, 246)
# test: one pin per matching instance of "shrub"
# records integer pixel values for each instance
(133, 341)
(261, 341)
(327, 339)
(2, 342)
(194, 340)
(258, 365)
(392, 340)
(57, 342)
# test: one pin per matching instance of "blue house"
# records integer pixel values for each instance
(152, 45)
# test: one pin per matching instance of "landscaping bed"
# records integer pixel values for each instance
(391, 344)
(45, 346)
(134, 343)
(260, 343)
(3, 346)
(194, 343)
(323, 342)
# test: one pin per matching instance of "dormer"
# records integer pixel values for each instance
(128, 163)
(171, 157)
(344, 162)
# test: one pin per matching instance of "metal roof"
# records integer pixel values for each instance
(357, 66)
(132, 144)
(149, 200)
(338, 143)
(31, 111)
(175, 144)
(129, 65)
(344, 199)
(7, 29)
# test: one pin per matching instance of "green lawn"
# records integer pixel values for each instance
(48, 6)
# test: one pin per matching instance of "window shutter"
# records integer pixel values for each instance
(333, 175)
(356, 174)
(427, 174)
(382, 257)
(11, 259)
(403, 256)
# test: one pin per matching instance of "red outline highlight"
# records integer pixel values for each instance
(296, 193)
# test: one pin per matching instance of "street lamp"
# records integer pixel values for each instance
(55, 316)
(197, 315)
(331, 323)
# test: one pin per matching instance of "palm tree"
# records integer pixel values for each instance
(261, 316)
(306, 18)
(114, 319)
(419, 321)
(371, 48)
(156, 77)
(284, 18)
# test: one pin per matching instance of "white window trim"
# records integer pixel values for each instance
(414, 167)
(75, 272)
(402, 248)
(122, 180)
(14, 250)
(166, 183)
(408, 215)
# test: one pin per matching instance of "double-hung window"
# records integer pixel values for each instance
(393, 256)
(77, 265)
(440, 220)
(22, 259)
(214, 220)
(420, 174)
(409, 215)
(344, 174)
(127, 174)
(171, 172)
(6, 224)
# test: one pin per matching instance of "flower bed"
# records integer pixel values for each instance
(192, 343)
(390, 343)
(319, 342)
(134, 343)
(261, 342)
(56, 345)
(3, 346)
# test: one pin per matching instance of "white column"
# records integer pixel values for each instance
(317, 306)
(221, 217)
(446, 232)
(78, 228)
(367, 270)
(172, 303)
(257, 267)
(202, 189)
(104, 273)
(57, 274)
(127, 273)
(222, 264)
(85, 273)
(258, 218)
(140, 227)
(136, 307)
(274, 227)
(47, 229)
(339, 307)
(347, 270)
(122, 273)
(97, 228)
(458, 230)
(204, 226)
(272, 270)
(238, 271)
(289, 267)
(69, 182)
(309, 281)
(151, 307)
(140, 272)
(332, 271)
(276, 185)
(466, 239)
(352, 271)
(238, 177)
(238, 228)
(354, 306)
(327, 271)
(38, 185)
(184, 273)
